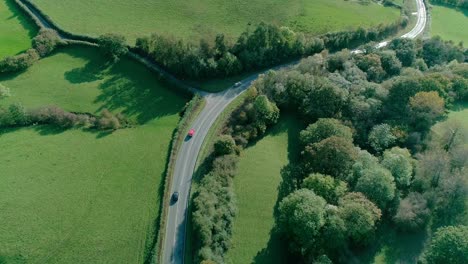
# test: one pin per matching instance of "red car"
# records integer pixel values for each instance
(191, 132)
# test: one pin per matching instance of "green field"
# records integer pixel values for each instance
(206, 18)
(79, 196)
(16, 31)
(449, 23)
(256, 187)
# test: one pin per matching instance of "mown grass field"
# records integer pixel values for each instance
(80, 196)
(16, 31)
(256, 186)
(450, 23)
(192, 20)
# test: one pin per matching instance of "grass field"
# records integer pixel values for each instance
(450, 23)
(79, 196)
(16, 31)
(256, 187)
(193, 19)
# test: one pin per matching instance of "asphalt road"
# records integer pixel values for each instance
(174, 241)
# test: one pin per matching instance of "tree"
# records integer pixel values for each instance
(113, 46)
(400, 164)
(405, 50)
(450, 199)
(378, 185)
(381, 137)
(46, 41)
(425, 109)
(433, 165)
(413, 213)
(225, 145)
(325, 99)
(301, 216)
(360, 216)
(449, 245)
(325, 186)
(364, 161)
(333, 156)
(18, 114)
(324, 128)
(390, 63)
(265, 110)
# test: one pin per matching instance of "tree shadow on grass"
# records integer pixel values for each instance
(276, 250)
(24, 20)
(92, 71)
(392, 246)
(126, 86)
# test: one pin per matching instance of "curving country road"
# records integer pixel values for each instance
(174, 240)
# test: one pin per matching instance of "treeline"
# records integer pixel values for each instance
(17, 116)
(455, 3)
(43, 44)
(264, 46)
(367, 155)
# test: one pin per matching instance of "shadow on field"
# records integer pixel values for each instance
(276, 250)
(24, 21)
(125, 86)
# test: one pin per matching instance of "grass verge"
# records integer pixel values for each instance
(256, 186)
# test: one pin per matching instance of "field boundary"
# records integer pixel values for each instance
(194, 107)
(43, 21)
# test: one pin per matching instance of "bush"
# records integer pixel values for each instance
(214, 210)
(113, 46)
(46, 41)
(225, 145)
(19, 62)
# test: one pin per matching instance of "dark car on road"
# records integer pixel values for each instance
(175, 196)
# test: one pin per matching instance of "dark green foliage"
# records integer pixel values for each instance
(301, 216)
(381, 137)
(324, 128)
(16, 115)
(46, 41)
(327, 187)
(378, 185)
(19, 62)
(215, 209)
(436, 52)
(252, 119)
(390, 63)
(333, 156)
(225, 145)
(113, 46)
(360, 216)
(266, 45)
(449, 245)
(400, 163)
(405, 50)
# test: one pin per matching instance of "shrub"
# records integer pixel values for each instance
(46, 41)
(113, 46)
(19, 62)
(225, 145)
